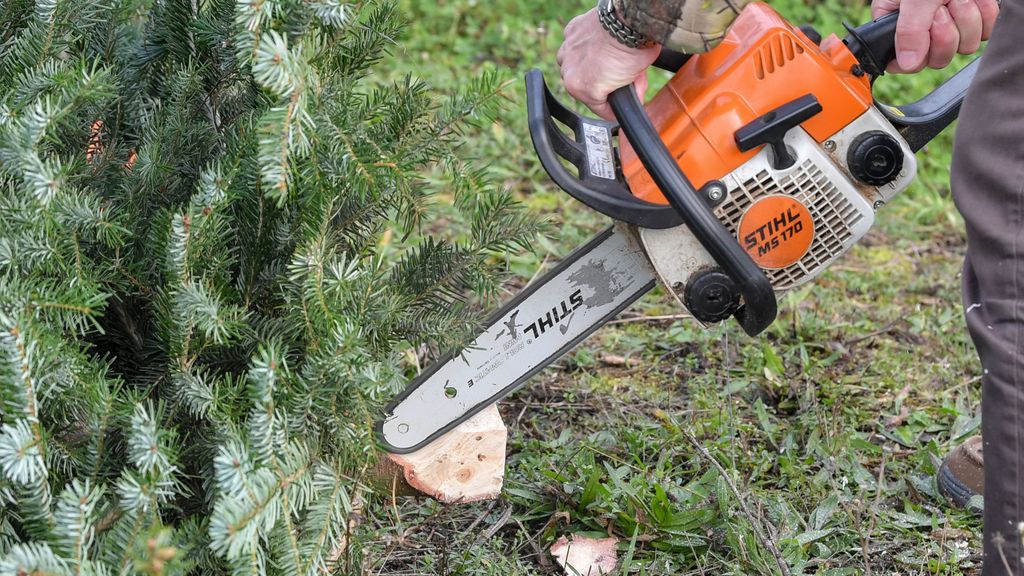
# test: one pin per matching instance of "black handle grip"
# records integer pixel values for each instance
(874, 45)
(759, 304)
(921, 121)
(671, 60)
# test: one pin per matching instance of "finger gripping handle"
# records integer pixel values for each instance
(760, 307)
(874, 46)
(874, 43)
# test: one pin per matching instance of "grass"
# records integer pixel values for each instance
(830, 426)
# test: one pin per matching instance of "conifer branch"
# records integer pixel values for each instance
(198, 274)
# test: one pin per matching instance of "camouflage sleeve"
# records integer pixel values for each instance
(684, 25)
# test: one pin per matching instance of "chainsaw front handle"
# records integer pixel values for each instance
(671, 60)
(759, 304)
(591, 151)
(600, 184)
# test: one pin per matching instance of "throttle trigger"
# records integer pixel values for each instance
(772, 127)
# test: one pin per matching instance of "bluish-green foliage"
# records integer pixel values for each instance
(215, 245)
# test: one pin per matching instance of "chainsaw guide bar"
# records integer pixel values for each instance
(550, 317)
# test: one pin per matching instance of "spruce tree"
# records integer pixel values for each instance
(219, 241)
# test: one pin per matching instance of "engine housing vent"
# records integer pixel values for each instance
(779, 49)
(834, 216)
(840, 213)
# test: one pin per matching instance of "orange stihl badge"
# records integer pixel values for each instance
(776, 231)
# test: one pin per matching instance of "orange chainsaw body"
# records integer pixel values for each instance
(762, 63)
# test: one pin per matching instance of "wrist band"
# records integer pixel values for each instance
(618, 29)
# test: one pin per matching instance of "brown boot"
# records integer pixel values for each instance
(961, 476)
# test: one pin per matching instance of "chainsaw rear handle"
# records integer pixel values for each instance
(759, 303)
(874, 45)
(919, 122)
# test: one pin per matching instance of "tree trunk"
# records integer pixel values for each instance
(466, 464)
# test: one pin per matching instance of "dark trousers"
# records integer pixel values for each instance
(988, 188)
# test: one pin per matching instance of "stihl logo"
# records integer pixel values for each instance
(776, 231)
(556, 314)
(768, 235)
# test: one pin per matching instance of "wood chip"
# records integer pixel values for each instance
(898, 419)
(616, 360)
(584, 556)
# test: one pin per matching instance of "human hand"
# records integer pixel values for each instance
(931, 32)
(593, 64)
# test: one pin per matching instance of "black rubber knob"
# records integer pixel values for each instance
(875, 158)
(712, 296)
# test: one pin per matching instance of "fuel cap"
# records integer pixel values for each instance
(875, 158)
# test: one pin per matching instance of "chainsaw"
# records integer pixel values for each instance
(791, 157)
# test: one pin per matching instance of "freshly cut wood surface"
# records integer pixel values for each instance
(465, 465)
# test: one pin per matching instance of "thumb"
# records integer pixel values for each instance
(641, 85)
(602, 109)
(913, 33)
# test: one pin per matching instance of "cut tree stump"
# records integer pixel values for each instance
(584, 556)
(466, 464)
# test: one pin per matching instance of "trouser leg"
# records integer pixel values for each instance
(988, 187)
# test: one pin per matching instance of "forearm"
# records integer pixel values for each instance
(685, 25)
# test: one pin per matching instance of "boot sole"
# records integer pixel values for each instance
(954, 490)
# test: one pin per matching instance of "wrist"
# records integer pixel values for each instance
(619, 30)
